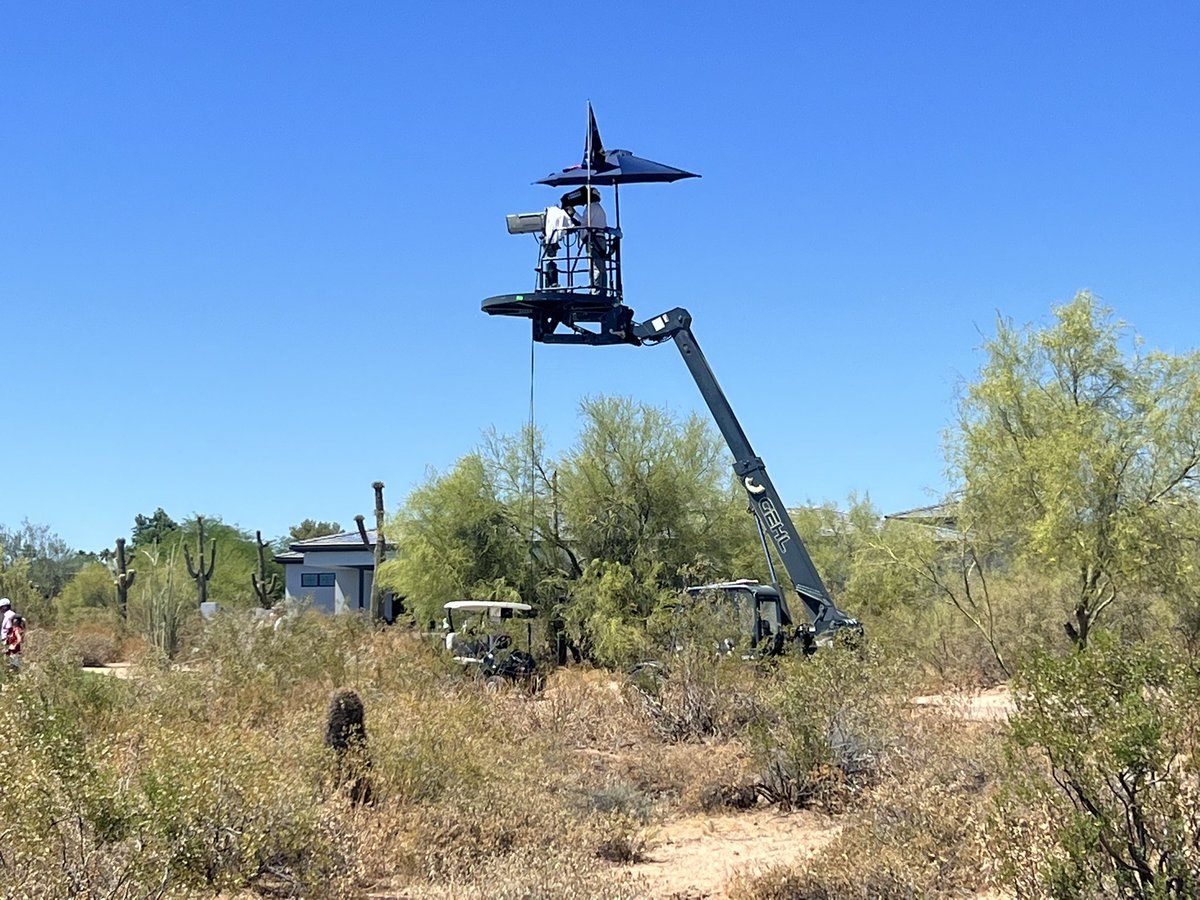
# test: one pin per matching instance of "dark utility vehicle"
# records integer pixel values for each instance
(480, 634)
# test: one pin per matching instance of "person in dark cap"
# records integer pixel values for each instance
(584, 206)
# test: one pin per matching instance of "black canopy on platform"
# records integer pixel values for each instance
(612, 167)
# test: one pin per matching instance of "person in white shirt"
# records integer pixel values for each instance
(557, 227)
(10, 636)
(589, 216)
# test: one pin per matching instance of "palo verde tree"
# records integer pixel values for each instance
(89, 596)
(653, 492)
(642, 502)
(1079, 452)
(455, 538)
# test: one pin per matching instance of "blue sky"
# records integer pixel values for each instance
(243, 245)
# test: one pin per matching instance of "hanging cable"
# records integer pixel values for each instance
(532, 475)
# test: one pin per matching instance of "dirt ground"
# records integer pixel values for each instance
(992, 705)
(694, 858)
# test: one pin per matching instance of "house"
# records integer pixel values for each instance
(335, 572)
(941, 518)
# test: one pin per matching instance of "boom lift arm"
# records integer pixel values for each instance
(768, 508)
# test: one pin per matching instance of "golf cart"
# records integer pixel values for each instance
(484, 636)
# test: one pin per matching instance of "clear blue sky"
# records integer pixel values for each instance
(243, 245)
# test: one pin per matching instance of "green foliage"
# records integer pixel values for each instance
(456, 539)
(836, 540)
(1080, 452)
(640, 490)
(703, 685)
(164, 600)
(154, 530)
(310, 528)
(653, 493)
(1102, 774)
(158, 810)
(51, 562)
(607, 613)
(832, 722)
(26, 599)
(231, 584)
(88, 596)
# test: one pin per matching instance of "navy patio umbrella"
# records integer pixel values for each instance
(612, 167)
(616, 167)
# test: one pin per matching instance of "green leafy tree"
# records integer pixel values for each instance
(912, 571)
(652, 492)
(606, 618)
(456, 539)
(309, 529)
(16, 585)
(152, 530)
(51, 560)
(1080, 452)
(237, 563)
(88, 596)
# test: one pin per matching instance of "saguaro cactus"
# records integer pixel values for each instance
(263, 588)
(346, 736)
(200, 574)
(123, 579)
(380, 547)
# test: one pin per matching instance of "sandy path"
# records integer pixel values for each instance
(694, 857)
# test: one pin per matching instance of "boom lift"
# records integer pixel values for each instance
(588, 308)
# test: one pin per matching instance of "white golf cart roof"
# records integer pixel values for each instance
(489, 606)
(744, 584)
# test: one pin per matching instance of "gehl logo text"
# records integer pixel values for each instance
(770, 517)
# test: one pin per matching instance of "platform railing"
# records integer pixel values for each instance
(583, 261)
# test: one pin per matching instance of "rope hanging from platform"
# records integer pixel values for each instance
(532, 475)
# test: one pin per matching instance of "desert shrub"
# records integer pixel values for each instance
(88, 596)
(700, 694)
(1102, 793)
(921, 831)
(703, 684)
(111, 801)
(96, 643)
(621, 838)
(582, 708)
(616, 796)
(222, 809)
(827, 724)
(65, 808)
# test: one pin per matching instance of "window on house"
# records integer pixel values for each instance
(317, 579)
